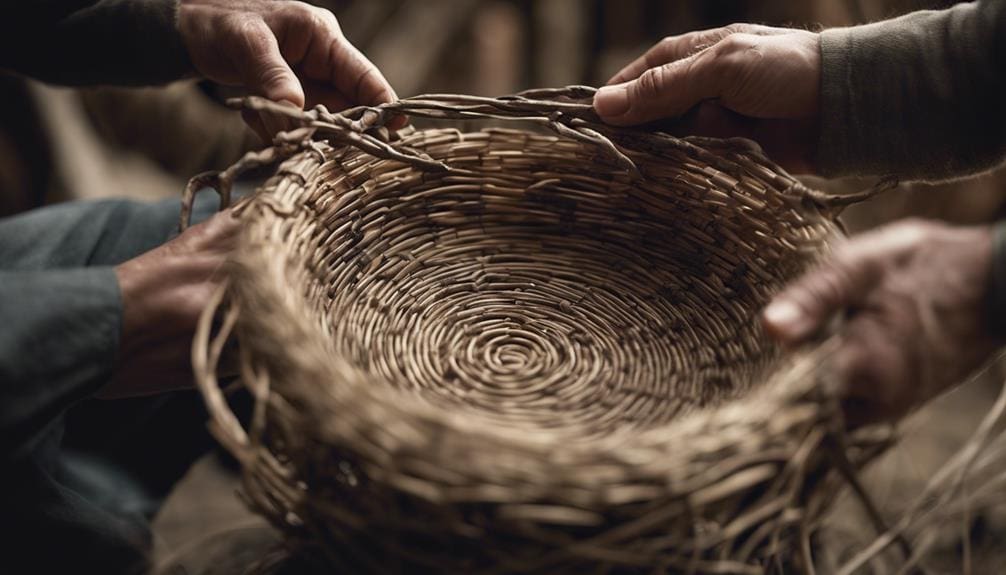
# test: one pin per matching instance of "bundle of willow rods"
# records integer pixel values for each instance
(524, 351)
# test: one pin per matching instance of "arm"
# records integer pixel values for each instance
(57, 345)
(102, 331)
(916, 299)
(921, 96)
(74, 42)
(282, 50)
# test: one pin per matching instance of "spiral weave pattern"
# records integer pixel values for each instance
(506, 351)
(536, 293)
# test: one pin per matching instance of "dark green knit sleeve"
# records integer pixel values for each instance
(922, 96)
(81, 42)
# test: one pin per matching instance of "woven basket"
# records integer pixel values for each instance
(508, 351)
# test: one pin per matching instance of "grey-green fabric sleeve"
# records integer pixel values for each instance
(922, 96)
(996, 318)
(91, 42)
(60, 305)
(58, 343)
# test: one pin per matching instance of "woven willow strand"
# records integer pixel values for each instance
(566, 111)
(508, 351)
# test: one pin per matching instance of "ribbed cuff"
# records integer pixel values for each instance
(834, 157)
(997, 282)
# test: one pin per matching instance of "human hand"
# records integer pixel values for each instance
(916, 293)
(281, 50)
(164, 292)
(742, 80)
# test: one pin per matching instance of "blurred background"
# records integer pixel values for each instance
(62, 144)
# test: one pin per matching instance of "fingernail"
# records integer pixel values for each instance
(787, 319)
(611, 101)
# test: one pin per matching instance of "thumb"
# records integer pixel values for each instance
(263, 69)
(665, 91)
(807, 304)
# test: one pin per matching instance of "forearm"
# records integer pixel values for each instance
(122, 42)
(58, 345)
(921, 96)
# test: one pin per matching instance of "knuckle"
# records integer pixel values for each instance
(911, 221)
(666, 45)
(221, 224)
(327, 18)
(852, 267)
(834, 286)
(300, 12)
(735, 43)
(914, 231)
(250, 32)
(822, 290)
(272, 73)
(313, 17)
(736, 28)
(734, 58)
(916, 225)
(699, 64)
(722, 57)
(245, 23)
(649, 84)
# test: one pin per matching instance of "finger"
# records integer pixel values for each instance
(677, 47)
(275, 123)
(253, 121)
(665, 91)
(850, 368)
(872, 366)
(262, 68)
(326, 95)
(222, 229)
(267, 124)
(330, 58)
(334, 100)
(335, 73)
(357, 77)
(398, 122)
(370, 89)
(804, 307)
(669, 50)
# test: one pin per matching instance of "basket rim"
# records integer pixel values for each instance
(423, 449)
(768, 398)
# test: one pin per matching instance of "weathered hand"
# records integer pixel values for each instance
(163, 293)
(916, 293)
(753, 81)
(285, 51)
